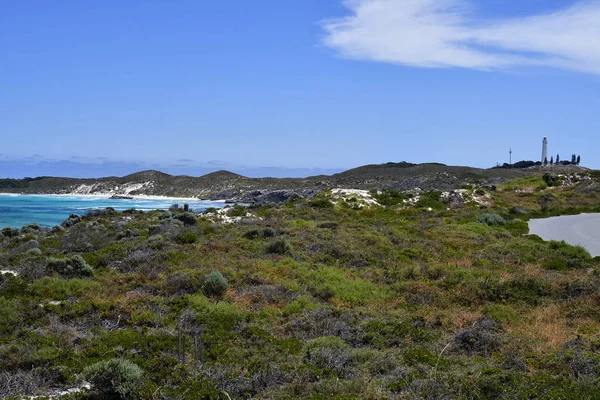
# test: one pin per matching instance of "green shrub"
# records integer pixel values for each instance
(517, 228)
(321, 203)
(256, 233)
(556, 264)
(74, 266)
(280, 246)
(253, 234)
(215, 317)
(10, 232)
(390, 197)
(165, 215)
(188, 218)
(552, 179)
(215, 285)
(34, 252)
(186, 238)
(155, 238)
(115, 378)
(60, 289)
(269, 232)
(329, 353)
(238, 211)
(491, 219)
(8, 315)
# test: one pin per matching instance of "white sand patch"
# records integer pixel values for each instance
(51, 303)
(100, 189)
(466, 196)
(222, 216)
(360, 198)
(85, 386)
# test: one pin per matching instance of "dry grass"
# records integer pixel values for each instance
(546, 328)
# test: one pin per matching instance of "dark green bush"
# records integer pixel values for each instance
(491, 219)
(186, 238)
(8, 314)
(215, 285)
(280, 246)
(69, 267)
(10, 232)
(321, 203)
(164, 215)
(72, 220)
(115, 378)
(269, 232)
(188, 218)
(258, 233)
(390, 197)
(253, 234)
(552, 179)
(238, 211)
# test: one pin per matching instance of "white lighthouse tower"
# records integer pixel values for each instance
(544, 149)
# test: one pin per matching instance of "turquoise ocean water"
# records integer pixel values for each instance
(47, 210)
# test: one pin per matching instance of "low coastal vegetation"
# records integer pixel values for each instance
(356, 294)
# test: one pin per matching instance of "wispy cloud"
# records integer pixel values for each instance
(447, 33)
(216, 162)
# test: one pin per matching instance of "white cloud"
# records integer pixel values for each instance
(446, 33)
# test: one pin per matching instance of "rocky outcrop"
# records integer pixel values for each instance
(276, 196)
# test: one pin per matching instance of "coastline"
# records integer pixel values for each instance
(107, 197)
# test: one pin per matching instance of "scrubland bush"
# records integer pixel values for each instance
(330, 354)
(182, 282)
(164, 215)
(74, 266)
(34, 252)
(238, 211)
(128, 233)
(482, 338)
(8, 316)
(257, 233)
(115, 378)
(491, 219)
(215, 285)
(10, 232)
(321, 203)
(107, 212)
(217, 317)
(186, 238)
(188, 218)
(280, 246)
(72, 220)
(552, 179)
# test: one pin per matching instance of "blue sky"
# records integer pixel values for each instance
(291, 88)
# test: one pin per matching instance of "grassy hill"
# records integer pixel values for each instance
(226, 185)
(440, 296)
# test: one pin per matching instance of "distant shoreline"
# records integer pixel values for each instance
(107, 197)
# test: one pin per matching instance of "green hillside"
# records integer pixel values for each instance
(387, 295)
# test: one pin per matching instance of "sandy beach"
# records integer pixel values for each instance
(107, 196)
